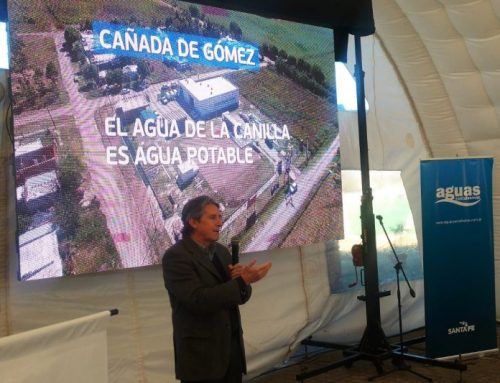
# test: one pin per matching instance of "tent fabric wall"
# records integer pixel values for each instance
(140, 338)
(447, 55)
(53, 353)
(432, 81)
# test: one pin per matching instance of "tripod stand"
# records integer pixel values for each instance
(399, 353)
(373, 345)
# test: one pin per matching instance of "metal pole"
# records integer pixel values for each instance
(373, 338)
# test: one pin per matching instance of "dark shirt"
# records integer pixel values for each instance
(209, 251)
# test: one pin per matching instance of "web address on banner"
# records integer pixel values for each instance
(464, 220)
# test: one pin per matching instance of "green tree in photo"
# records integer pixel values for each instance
(90, 72)
(87, 25)
(273, 52)
(19, 59)
(318, 74)
(38, 73)
(67, 208)
(114, 77)
(143, 68)
(67, 211)
(194, 11)
(282, 53)
(51, 70)
(235, 30)
(92, 228)
(70, 173)
(71, 35)
(77, 51)
(264, 49)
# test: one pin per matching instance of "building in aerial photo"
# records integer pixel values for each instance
(208, 98)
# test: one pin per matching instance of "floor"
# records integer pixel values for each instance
(479, 369)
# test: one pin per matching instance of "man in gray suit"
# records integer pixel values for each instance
(205, 290)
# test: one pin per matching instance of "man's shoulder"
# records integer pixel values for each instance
(187, 245)
(178, 248)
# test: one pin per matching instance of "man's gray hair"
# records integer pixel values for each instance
(194, 209)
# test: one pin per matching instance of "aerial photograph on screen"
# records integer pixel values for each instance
(123, 111)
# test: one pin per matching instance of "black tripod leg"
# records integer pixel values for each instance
(419, 374)
(401, 366)
(322, 370)
(378, 366)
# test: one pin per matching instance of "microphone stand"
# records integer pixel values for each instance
(398, 361)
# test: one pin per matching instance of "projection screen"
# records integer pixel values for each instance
(123, 111)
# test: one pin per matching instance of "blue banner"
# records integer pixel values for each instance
(155, 44)
(457, 229)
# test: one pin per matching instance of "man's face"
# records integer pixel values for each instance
(206, 229)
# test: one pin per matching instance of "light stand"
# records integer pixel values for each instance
(373, 345)
(398, 354)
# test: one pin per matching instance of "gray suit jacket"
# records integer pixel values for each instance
(201, 303)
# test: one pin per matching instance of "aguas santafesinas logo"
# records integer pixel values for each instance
(465, 196)
(463, 327)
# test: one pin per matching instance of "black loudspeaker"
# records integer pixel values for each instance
(340, 40)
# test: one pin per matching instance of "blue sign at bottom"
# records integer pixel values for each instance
(457, 230)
